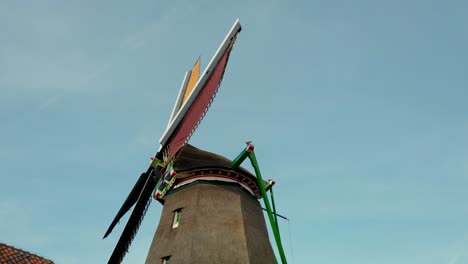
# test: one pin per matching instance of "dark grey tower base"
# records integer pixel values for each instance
(220, 223)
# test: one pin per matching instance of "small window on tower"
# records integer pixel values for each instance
(176, 221)
(165, 260)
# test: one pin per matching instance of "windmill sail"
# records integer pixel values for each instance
(199, 99)
(198, 108)
(181, 127)
(129, 202)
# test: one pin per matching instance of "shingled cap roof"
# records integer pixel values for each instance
(194, 158)
(11, 255)
(192, 162)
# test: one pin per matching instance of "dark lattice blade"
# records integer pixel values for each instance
(136, 217)
(129, 202)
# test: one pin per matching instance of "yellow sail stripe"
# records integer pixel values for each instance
(192, 80)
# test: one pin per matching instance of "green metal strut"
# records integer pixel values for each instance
(274, 210)
(249, 152)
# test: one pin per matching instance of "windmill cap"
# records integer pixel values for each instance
(193, 163)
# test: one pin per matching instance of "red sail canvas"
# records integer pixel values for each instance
(197, 110)
(186, 117)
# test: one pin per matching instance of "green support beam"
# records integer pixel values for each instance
(264, 187)
(239, 159)
(273, 223)
(274, 211)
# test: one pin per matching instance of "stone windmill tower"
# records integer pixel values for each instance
(211, 215)
(211, 210)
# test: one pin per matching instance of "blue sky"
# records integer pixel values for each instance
(357, 109)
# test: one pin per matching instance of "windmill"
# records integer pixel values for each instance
(193, 166)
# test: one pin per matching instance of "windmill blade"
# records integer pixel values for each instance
(223, 49)
(195, 107)
(136, 217)
(129, 202)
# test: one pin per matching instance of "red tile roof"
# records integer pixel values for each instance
(11, 255)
